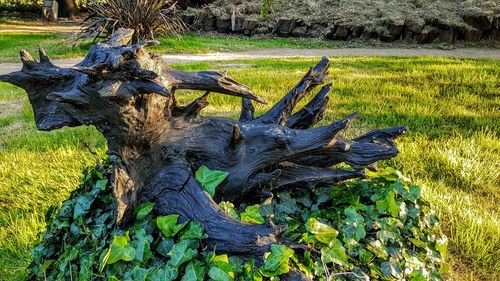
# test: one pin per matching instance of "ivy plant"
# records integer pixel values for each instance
(376, 228)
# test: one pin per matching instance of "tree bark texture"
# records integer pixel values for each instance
(129, 94)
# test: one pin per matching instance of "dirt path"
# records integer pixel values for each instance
(284, 53)
(40, 27)
(290, 53)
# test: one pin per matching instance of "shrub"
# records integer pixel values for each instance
(148, 18)
(21, 5)
(377, 227)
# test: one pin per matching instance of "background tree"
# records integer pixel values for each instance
(67, 8)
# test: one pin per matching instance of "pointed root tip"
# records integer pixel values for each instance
(396, 131)
(324, 63)
(259, 99)
(42, 51)
(205, 95)
(402, 130)
(151, 43)
(350, 117)
(26, 56)
(4, 78)
(44, 58)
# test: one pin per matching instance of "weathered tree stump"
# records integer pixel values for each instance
(129, 96)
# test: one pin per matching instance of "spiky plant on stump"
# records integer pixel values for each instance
(128, 94)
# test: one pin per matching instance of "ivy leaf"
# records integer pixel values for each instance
(288, 205)
(222, 262)
(119, 250)
(46, 264)
(384, 235)
(142, 250)
(252, 215)
(168, 273)
(168, 225)
(441, 245)
(164, 247)
(210, 179)
(143, 210)
(388, 203)
(418, 243)
(353, 215)
(82, 205)
(414, 191)
(136, 274)
(378, 249)
(99, 228)
(276, 263)
(353, 230)
(388, 268)
(228, 207)
(101, 184)
(392, 205)
(236, 264)
(417, 275)
(181, 253)
(194, 231)
(365, 256)
(250, 273)
(322, 232)
(193, 272)
(335, 252)
(218, 274)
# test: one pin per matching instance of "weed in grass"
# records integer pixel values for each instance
(59, 45)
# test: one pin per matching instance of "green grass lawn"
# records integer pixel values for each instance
(453, 149)
(60, 46)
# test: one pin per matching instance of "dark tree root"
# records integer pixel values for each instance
(176, 191)
(129, 96)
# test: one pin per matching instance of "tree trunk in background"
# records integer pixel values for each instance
(67, 8)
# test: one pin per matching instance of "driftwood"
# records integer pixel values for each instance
(129, 96)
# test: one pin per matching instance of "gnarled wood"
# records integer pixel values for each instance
(129, 96)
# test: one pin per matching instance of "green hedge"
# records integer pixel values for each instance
(33, 6)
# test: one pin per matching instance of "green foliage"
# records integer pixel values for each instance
(33, 6)
(376, 227)
(120, 249)
(143, 210)
(168, 225)
(82, 242)
(265, 6)
(210, 179)
(277, 262)
(252, 215)
(21, 5)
